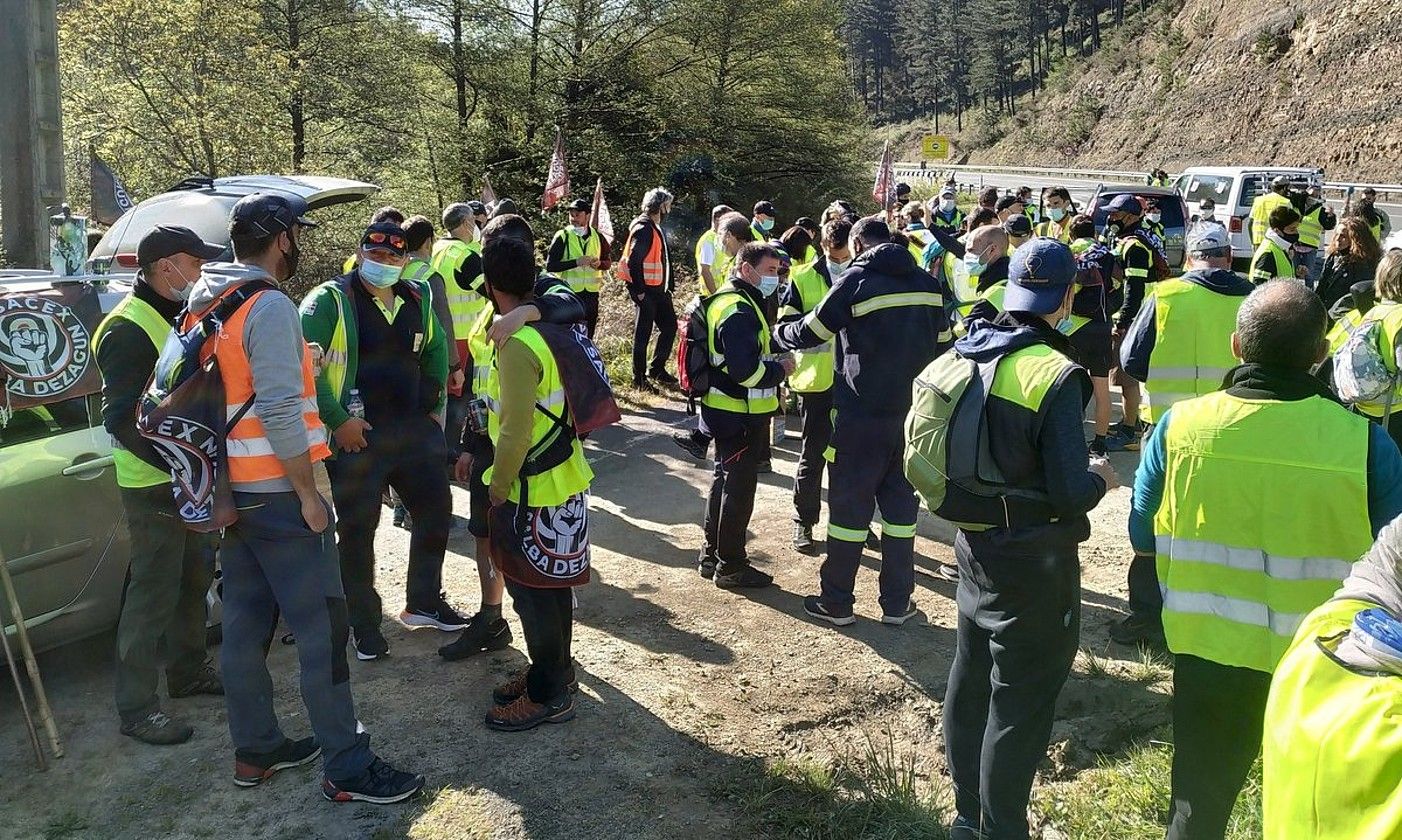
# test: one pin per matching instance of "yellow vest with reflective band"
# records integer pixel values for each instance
(720, 306)
(1311, 229)
(1259, 523)
(1261, 214)
(131, 470)
(963, 284)
(1390, 316)
(708, 236)
(919, 241)
(813, 368)
(1123, 246)
(448, 256)
(1060, 231)
(582, 279)
(1332, 746)
(994, 295)
(1342, 329)
(1192, 345)
(481, 351)
(1283, 265)
(559, 483)
(1025, 377)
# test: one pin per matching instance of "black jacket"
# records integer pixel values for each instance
(126, 358)
(1339, 275)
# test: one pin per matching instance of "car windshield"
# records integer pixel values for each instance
(1215, 187)
(207, 215)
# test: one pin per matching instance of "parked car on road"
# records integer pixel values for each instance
(1235, 189)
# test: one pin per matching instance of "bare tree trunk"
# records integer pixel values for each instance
(296, 104)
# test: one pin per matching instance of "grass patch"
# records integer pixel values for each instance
(453, 812)
(1126, 798)
(878, 794)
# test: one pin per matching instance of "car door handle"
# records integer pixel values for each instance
(87, 468)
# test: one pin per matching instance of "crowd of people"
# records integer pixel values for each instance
(1268, 464)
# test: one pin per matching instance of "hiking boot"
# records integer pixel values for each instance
(900, 617)
(205, 681)
(369, 643)
(706, 564)
(159, 729)
(479, 637)
(438, 615)
(1138, 629)
(695, 448)
(662, 377)
(803, 539)
(747, 578)
(873, 541)
(507, 693)
(254, 768)
(524, 713)
(814, 606)
(380, 784)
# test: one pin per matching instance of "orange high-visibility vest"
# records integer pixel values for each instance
(654, 272)
(251, 456)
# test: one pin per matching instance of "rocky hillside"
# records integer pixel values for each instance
(1293, 83)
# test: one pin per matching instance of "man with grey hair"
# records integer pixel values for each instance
(647, 269)
(1180, 346)
(1254, 500)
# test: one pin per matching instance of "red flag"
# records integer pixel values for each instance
(599, 218)
(885, 178)
(489, 195)
(557, 180)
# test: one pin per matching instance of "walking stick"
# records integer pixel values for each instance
(46, 715)
(23, 703)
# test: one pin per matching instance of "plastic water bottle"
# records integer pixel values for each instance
(356, 406)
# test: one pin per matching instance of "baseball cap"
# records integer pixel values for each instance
(502, 207)
(766, 208)
(168, 240)
(1006, 201)
(902, 188)
(477, 208)
(1126, 203)
(1280, 181)
(947, 192)
(385, 236)
(1207, 203)
(579, 205)
(1041, 270)
(1207, 236)
(267, 213)
(1018, 225)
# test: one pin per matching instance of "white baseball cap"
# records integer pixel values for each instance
(1207, 236)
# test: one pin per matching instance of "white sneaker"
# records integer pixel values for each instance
(898, 620)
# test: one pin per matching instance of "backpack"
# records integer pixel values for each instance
(693, 350)
(947, 457)
(183, 416)
(1362, 373)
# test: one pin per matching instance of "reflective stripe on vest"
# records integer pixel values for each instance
(654, 272)
(1258, 523)
(1284, 266)
(1332, 749)
(463, 305)
(1122, 248)
(1192, 353)
(582, 279)
(131, 470)
(813, 368)
(720, 306)
(1343, 328)
(251, 456)
(557, 484)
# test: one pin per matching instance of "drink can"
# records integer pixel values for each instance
(477, 416)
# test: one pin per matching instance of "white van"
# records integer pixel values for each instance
(1235, 188)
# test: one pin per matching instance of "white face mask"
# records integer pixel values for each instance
(182, 293)
(947, 206)
(835, 268)
(579, 230)
(1153, 218)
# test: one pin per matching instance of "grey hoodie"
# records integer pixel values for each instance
(272, 337)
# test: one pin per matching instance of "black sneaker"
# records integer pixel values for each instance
(439, 616)
(380, 784)
(158, 729)
(814, 606)
(205, 681)
(479, 637)
(747, 578)
(1097, 447)
(803, 538)
(900, 616)
(369, 643)
(253, 768)
(873, 541)
(1138, 629)
(401, 516)
(664, 378)
(706, 564)
(693, 447)
(764, 467)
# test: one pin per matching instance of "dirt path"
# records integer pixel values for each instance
(686, 690)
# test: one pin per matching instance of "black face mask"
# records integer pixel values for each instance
(1292, 238)
(292, 257)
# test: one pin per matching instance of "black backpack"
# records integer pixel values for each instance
(693, 350)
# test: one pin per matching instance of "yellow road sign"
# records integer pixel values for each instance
(934, 147)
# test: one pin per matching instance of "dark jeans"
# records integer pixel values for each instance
(867, 473)
(655, 309)
(591, 310)
(272, 561)
(547, 619)
(1019, 622)
(1218, 717)
(1145, 596)
(732, 498)
(816, 411)
(410, 457)
(163, 601)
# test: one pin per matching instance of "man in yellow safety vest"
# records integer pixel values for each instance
(579, 255)
(457, 258)
(1259, 221)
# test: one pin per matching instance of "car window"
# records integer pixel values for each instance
(207, 215)
(1216, 187)
(44, 421)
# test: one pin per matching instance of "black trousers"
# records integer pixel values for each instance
(547, 619)
(1019, 623)
(1144, 594)
(816, 411)
(731, 502)
(410, 457)
(655, 309)
(1218, 718)
(591, 310)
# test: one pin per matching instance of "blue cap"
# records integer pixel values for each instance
(1039, 273)
(268, 213)
(1126, 203)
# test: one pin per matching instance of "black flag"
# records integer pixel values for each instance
(109, 198)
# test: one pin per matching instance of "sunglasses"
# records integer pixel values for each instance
(377, 238)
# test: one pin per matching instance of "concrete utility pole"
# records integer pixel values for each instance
(31, 128)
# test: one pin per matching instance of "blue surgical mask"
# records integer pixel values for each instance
(1064, 325)
(836, 268)
(379, 275)
(973, 264)
(1056, 213)
(766, 225)
(768, 284)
